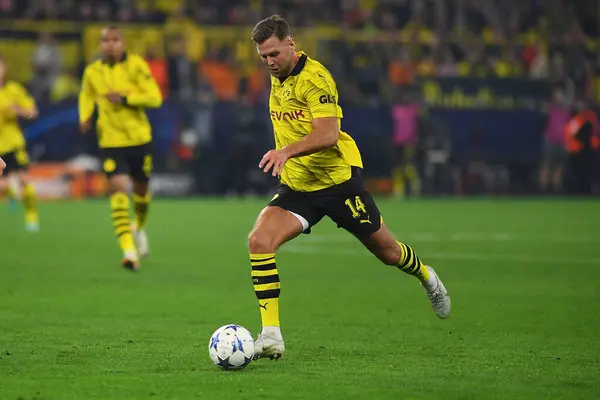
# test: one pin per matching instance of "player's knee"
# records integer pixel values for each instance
(261, 243)
(390, 254)
(23, 180)
(118, 183)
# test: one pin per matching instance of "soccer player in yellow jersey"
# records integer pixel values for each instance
(320, 170)
(121, 86)
(16, 103)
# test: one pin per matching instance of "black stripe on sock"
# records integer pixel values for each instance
(261, 280)
(266, 267)
(267, 294)
(415, 266)
(118, 209)
(261, 259)
(121, 225)
(122, 233)
(410, 257)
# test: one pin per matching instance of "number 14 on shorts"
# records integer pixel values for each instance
(358, 210)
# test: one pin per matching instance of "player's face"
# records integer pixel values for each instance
(278, 55)
(112, 43)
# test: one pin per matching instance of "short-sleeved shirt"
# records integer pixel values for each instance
(11, 135)
(310, 92)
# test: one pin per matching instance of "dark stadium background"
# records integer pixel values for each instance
(520, 261)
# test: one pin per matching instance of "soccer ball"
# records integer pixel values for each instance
(231, 347)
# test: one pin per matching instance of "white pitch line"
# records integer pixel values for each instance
(519, 258)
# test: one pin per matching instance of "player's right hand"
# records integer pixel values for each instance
(2, 166)
(85, 126)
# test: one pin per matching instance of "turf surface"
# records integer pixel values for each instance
(523, 276)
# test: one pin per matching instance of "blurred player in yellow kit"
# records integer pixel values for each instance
(121, 86)
(16, 103)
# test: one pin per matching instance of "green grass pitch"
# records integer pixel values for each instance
(524, 276)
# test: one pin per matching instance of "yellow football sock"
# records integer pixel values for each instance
(119, 213)
(140, 209)
(11, 191)
(412, 175)
(266, 286)
(398, 181)
(30, 204)
(411, 264)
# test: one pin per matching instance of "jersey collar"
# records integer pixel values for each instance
(123, 59)
(300, 64)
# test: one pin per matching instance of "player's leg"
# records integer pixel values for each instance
(390, 251)
(288, 214)
(19, 175)
(274, 226)
(4, 186)
(120, 206)
(140, 167)
(9, 186)
(398, 178)
(29, 200)
(411, 172)
(354, 209)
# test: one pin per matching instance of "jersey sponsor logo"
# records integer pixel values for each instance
(287, 115)
(327, 99)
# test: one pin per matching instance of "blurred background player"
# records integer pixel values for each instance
(121, 85)
(320, 170)
(405, 116)
(554, 152)
(15, 103)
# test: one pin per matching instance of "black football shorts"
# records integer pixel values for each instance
(348, 204)
(15, 160)
(135, 161)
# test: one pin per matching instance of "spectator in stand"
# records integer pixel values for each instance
(46, 65)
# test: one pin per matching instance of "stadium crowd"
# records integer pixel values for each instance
(378, 50)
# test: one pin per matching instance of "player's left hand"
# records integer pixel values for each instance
(114, 97)
(274, 159)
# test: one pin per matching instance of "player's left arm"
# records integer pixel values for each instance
(149, 95)
(24, 105)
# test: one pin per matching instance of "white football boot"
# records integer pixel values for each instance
(31, 226)
(141, 241)
(438, 295)
(269, 345)
(131, 260)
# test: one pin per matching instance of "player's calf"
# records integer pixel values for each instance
(391, 252)
(120, 209)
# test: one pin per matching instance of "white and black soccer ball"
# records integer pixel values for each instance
(231, 347)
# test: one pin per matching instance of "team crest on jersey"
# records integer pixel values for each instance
(286, 93)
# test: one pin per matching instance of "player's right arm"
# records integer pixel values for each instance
(320, 96)
(87, 101)
(24, 105)
(321, 99)
(2, 166)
